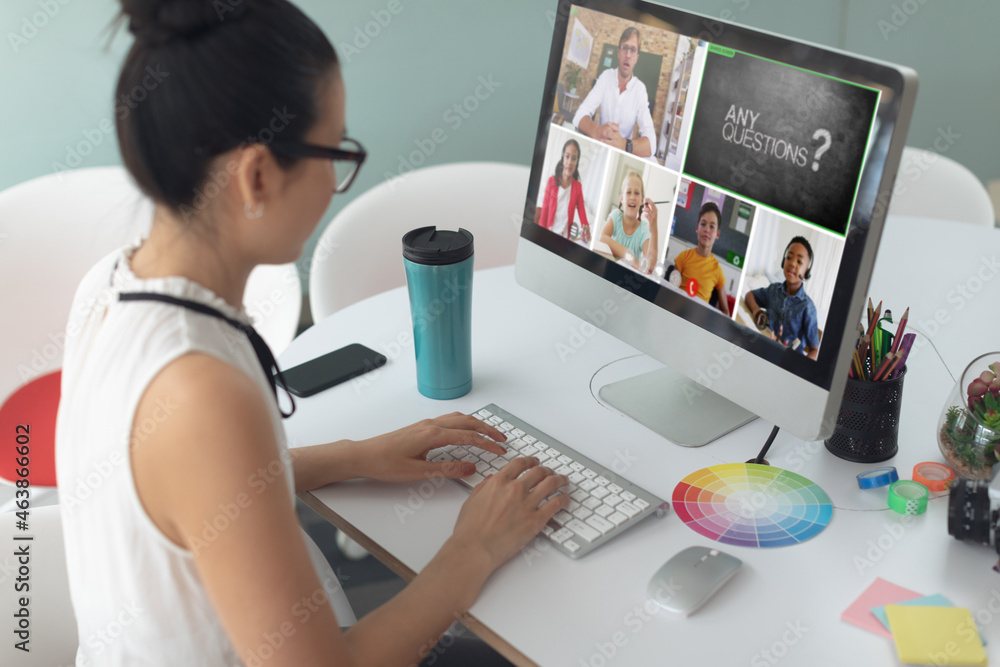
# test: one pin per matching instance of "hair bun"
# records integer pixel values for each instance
(160, 21)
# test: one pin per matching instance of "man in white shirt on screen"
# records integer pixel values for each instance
(623, 102)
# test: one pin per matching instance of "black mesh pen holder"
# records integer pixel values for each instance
(868, 422)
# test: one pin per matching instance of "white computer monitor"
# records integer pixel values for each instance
(776, 140)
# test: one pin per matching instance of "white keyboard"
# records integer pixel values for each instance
(602, 505)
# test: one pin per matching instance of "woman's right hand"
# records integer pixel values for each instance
(760, 318)
(506, 510)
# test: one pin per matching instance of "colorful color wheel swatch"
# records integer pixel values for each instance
(752, 505)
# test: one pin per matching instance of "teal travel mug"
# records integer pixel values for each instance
(439, 278)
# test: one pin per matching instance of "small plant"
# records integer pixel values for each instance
(571, 79)
(970, 433)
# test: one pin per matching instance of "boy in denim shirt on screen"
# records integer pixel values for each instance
(790, 313)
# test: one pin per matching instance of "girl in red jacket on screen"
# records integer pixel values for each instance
(563, 197)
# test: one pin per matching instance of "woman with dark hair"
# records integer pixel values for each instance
(563, 196)
(191, 540)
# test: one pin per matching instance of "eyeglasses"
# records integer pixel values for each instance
(347, 159)
(628, 50)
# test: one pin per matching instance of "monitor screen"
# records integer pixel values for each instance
(725, 176)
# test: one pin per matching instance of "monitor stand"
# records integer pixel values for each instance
(676, 407)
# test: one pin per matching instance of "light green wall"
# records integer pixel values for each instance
(57, 86)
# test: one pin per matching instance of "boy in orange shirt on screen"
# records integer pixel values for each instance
(699, 263)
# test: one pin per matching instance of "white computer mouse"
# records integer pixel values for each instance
(685, 582)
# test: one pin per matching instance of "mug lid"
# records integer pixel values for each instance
(429, 245)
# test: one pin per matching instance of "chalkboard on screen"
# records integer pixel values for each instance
(787, 138)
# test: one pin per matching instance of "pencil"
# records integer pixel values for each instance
(900, 329)
(871, 325)
(900, 362)
(883, 367)
(871, 311)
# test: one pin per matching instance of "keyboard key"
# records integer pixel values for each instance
(443, 457)
(565, 460)
(627, 495)
(550, 463)
(604, 511)
(516, 432)
(542, 456)
(539, 444)
(640, 503)
(487, 456)
(528, 439)
(579, 495)
(612, 500)
(510, 454)
(483, 467)
(577, 466)
(553, 452)
(494, 420)
(564, 470)
(585, 531)
(499, 463)
(459, 452)
(602, 480)
(589, 474)
(592, 502)
(485, 413)
(617, 518)
(628, 509)
(582, 513)
(505, 426)
(562, 517)
(474, 479)
(575, 478)
(614, 488)
(572, 505)
(600, 492)
(479, 417)
(517, 444)
(600, 524)
(528, 451)
(561, 535)
(588, 485)
(470, 458)
(547, 531)
(571, 546)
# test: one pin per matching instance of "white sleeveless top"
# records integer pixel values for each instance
(137, 596)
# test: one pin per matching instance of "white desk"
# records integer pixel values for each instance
(548, 609)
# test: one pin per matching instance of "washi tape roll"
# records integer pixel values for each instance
(935, 476)
(906, 497)
(871, 479)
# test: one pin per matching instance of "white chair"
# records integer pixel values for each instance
(52, 230)
(360, 251)
(930, 185)
(53, 634)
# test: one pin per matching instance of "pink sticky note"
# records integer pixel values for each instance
(881, 592)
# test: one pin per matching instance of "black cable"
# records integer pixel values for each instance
(767, 445)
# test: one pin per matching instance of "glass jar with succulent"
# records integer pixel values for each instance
(969, 428)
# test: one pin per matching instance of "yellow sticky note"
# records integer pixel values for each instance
(935, 635)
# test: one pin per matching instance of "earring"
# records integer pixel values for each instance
(255, 212)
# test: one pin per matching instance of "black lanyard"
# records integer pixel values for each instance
(263, 352)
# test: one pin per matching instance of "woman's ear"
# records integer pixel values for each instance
(253, 172)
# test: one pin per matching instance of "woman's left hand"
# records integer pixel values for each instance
(401, 456)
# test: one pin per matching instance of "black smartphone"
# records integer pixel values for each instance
(331, 369)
